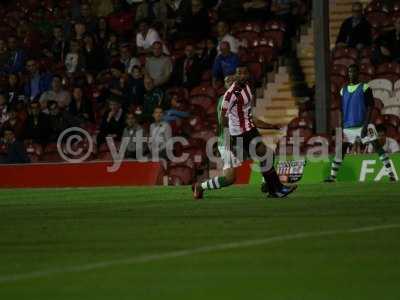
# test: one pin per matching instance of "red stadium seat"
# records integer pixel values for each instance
(335, 119)
(303, 132)
(344, 61)
(335, 102)
(205, 134)
(275, 25)
(203, 101)
(301, 123)
(256, 71)
(367, 72)
(208, 91)
(338, 80)
(342, 52)
(378, 103)
(339, 70)
(390, 71)
(195, 123)
(393, 120)
(242, 27)
(277, 35)
(246, 38)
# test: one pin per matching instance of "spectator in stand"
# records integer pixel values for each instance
(160, 134)
(17, 57)
(37, 127)
(389, 144)
(225, 36)
(112, 48)
(209, 54)
(256, 9)
(74, 60)
(3, 109)
(81, 107)
(120, 84)
(146, 37)
(15, 90)
(14, 123)
(103, 8)
(176, 12)
(59, 121)
(153, 98)
(231, 10)
(87, 18)
(127, 59)
(225, 64)
(79, 31)
(187, 70)
(389, 44)
(58, 46)
(175, 113)
(57, 93)
(92, 55)
(134, 133)
(159, 66)
(37, 83)
(283, 11)
(197, 22)
(113, 121)
(138, 89)
(4, 55)
(16, 152)
(152, 10)
(355, 31)
(102, 33)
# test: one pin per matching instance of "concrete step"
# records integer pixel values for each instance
(283, 112)
(287, 104)
(278, 120)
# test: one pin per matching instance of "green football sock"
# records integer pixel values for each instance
(215, 183)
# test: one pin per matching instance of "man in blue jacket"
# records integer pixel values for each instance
(38, 82)
(225, 63)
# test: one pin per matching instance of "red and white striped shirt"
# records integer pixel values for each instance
(237, 106)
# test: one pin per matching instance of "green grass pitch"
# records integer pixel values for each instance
(339, 241)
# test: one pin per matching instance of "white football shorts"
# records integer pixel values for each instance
(229, 159)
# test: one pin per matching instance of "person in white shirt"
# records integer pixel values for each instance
(389, 144)
(146, 37)
(57, 94)
(160, 134)
(225, 36)
(159, 66)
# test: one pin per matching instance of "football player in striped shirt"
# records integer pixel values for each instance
(236, 112)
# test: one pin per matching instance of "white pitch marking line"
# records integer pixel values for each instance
(188, 252)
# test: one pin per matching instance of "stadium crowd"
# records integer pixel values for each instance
(118, 68)
(155, 67)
